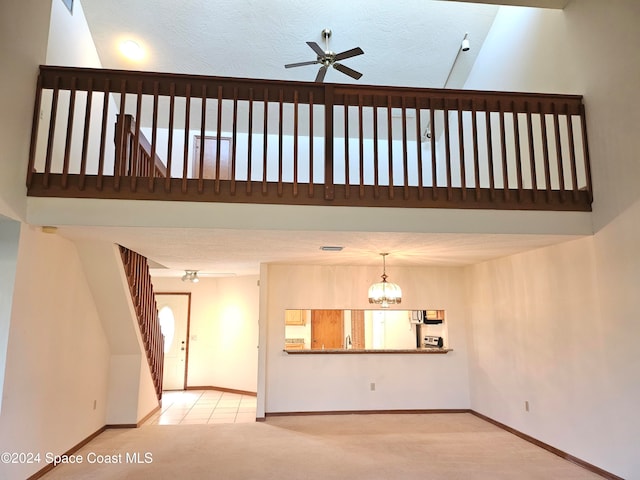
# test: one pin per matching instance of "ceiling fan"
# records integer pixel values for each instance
(327, 58)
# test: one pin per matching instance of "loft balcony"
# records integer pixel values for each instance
(111, 134)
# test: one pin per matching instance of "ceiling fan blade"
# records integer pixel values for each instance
(349, 53)
(300, 64)
(347, 71)
(321, 73)
(316, 48)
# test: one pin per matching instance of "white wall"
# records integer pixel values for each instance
(558, 326)
(130, 381)
(70, 44)
(24, 28)
(58, 355)
(9, 242)
(326, 382)
(223, 335)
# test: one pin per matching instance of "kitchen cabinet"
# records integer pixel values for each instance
(295, 317)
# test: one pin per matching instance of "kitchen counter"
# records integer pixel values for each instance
(354, 351)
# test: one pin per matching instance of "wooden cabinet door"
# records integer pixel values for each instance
(327, 329)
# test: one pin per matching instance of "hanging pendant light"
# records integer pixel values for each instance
(384, 293)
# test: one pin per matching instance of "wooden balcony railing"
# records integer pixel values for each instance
(144, 301)
(196, 138)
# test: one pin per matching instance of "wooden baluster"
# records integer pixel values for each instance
(476, 155)
(360, 147)
(172, 98)
(154, 138)
(376, 160)
(532, 155)
(52, 131)
(447, 146)
(218, 140)
(311, 144)
(572, 154)
(249, 140)
(492, 181)
(516, 138)
(463, 173)
(390, 144)
(185, 154)
(405, 153)
(556, 130)
(419, 149)
(234, 141)
(329, 192)
(265, 136)
(434, 164)
(295, 143)
(121, 139)
(503, 151)
(347, 190)
(103, 133)
(135, 160)
(85, 133)
(203, 131)
(280, 139)
(35, 123)
(545, 151)
(67, 143)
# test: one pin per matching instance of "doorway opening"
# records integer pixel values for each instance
(174, 312)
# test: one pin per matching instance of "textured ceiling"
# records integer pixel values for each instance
(408, 43)
(239, 252)
(411, 43)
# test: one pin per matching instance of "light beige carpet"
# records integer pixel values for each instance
(391, 446)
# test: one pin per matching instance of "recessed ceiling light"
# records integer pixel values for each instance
(132, 50)
(331, 248)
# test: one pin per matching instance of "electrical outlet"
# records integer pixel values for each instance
(526, 405)
(373, 386)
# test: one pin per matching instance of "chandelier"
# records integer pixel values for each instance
(384, 293)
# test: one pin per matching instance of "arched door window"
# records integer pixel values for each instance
(167, 326)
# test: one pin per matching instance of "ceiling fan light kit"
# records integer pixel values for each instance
(327, 58)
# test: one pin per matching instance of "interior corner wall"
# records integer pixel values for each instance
(326, 382)
(9, 241)
(223, 336)
(55, 391)
(557, 327)
(526, 50)
(24, 28)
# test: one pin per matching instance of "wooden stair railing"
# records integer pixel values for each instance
(135, 156)
(137, 272)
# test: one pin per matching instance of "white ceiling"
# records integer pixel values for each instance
(409, 43)
(240, 252)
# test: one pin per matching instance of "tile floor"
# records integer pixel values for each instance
(204, 406)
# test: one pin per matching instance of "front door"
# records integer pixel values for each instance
(173, 311)
(327, 330)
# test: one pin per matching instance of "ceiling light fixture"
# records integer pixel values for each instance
(385, 293)
(190, 276)
(132, 50)
(464, 46)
